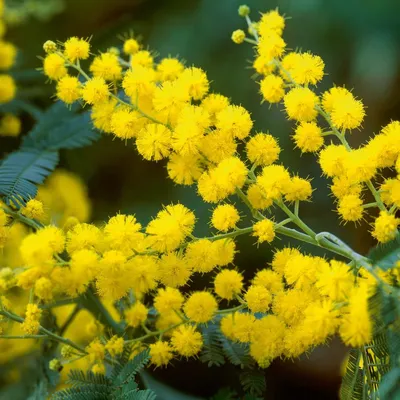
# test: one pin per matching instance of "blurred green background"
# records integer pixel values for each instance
(359, 41)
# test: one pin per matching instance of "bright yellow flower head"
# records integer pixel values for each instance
(186, 341)
(76, 49)
(200, 307)
(228, 284)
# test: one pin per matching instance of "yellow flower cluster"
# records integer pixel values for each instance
(10, 125)
(168, 111)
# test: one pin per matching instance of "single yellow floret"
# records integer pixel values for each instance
(262, 149)
(264, 230)
(228, 284)
(258, 298)
(238, 36)
(308, 137)
(300, 104)
(201, 307)
(136, 315)
(225, 217)
(34, 209)
(76, 49)
(95, 91)
(186, 341)
(69, 89)
(385, 227)
(7, 88)
(272, 88)
(160, 353)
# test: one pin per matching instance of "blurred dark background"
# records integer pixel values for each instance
(359, 40)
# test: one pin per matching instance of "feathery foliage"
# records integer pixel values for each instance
(56, 129)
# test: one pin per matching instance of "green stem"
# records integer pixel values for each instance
(155, 333)
(23, 336)
(60, 303)
(232, 310)
(69, 320)
(295, 219)
(27, 221)
(93, 304)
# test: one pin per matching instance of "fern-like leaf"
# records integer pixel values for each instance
(58, 128)
(71, 133)
(130, 370)
(253, 381)
(136, 395)
(89, 392)
(212, 353)
(352, 383)
(22, 170)
(386, 255)
(237, 353)
(78, 378)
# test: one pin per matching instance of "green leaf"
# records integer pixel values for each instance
(68, 132)
(58, 128)
(352, 382)
(212, 353)
(78, 378)
(225, 394)
(130, 370)
(237, 353)
(82, 393)
(253, 381)
(386, 255)
(390, 386)
(137, 395)
(22, 170)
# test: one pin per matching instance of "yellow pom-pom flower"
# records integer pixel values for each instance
(350, 207)
(385, 227)
(262, 149)
(234, 120)
(136, 315)
(10, 125)
(202, 255)
(8, 53)
(115, 346)
(168, 299)
(238, 36)
(201, 307)
(298, 189)
(69, 89)
(300, 104)
(76, 49)
(7, 88)
(170, 228)
(95, 91)
(34, 209)
(272, 88)
(264, 231)
(308, 137)
(258, 298)
(131, 46)
(106, 66)
(160, 353)
(225, 217)
(228, 283)
(169, 69)
(174, 270)
(186, 341)
(54, 66)
(271, 21)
